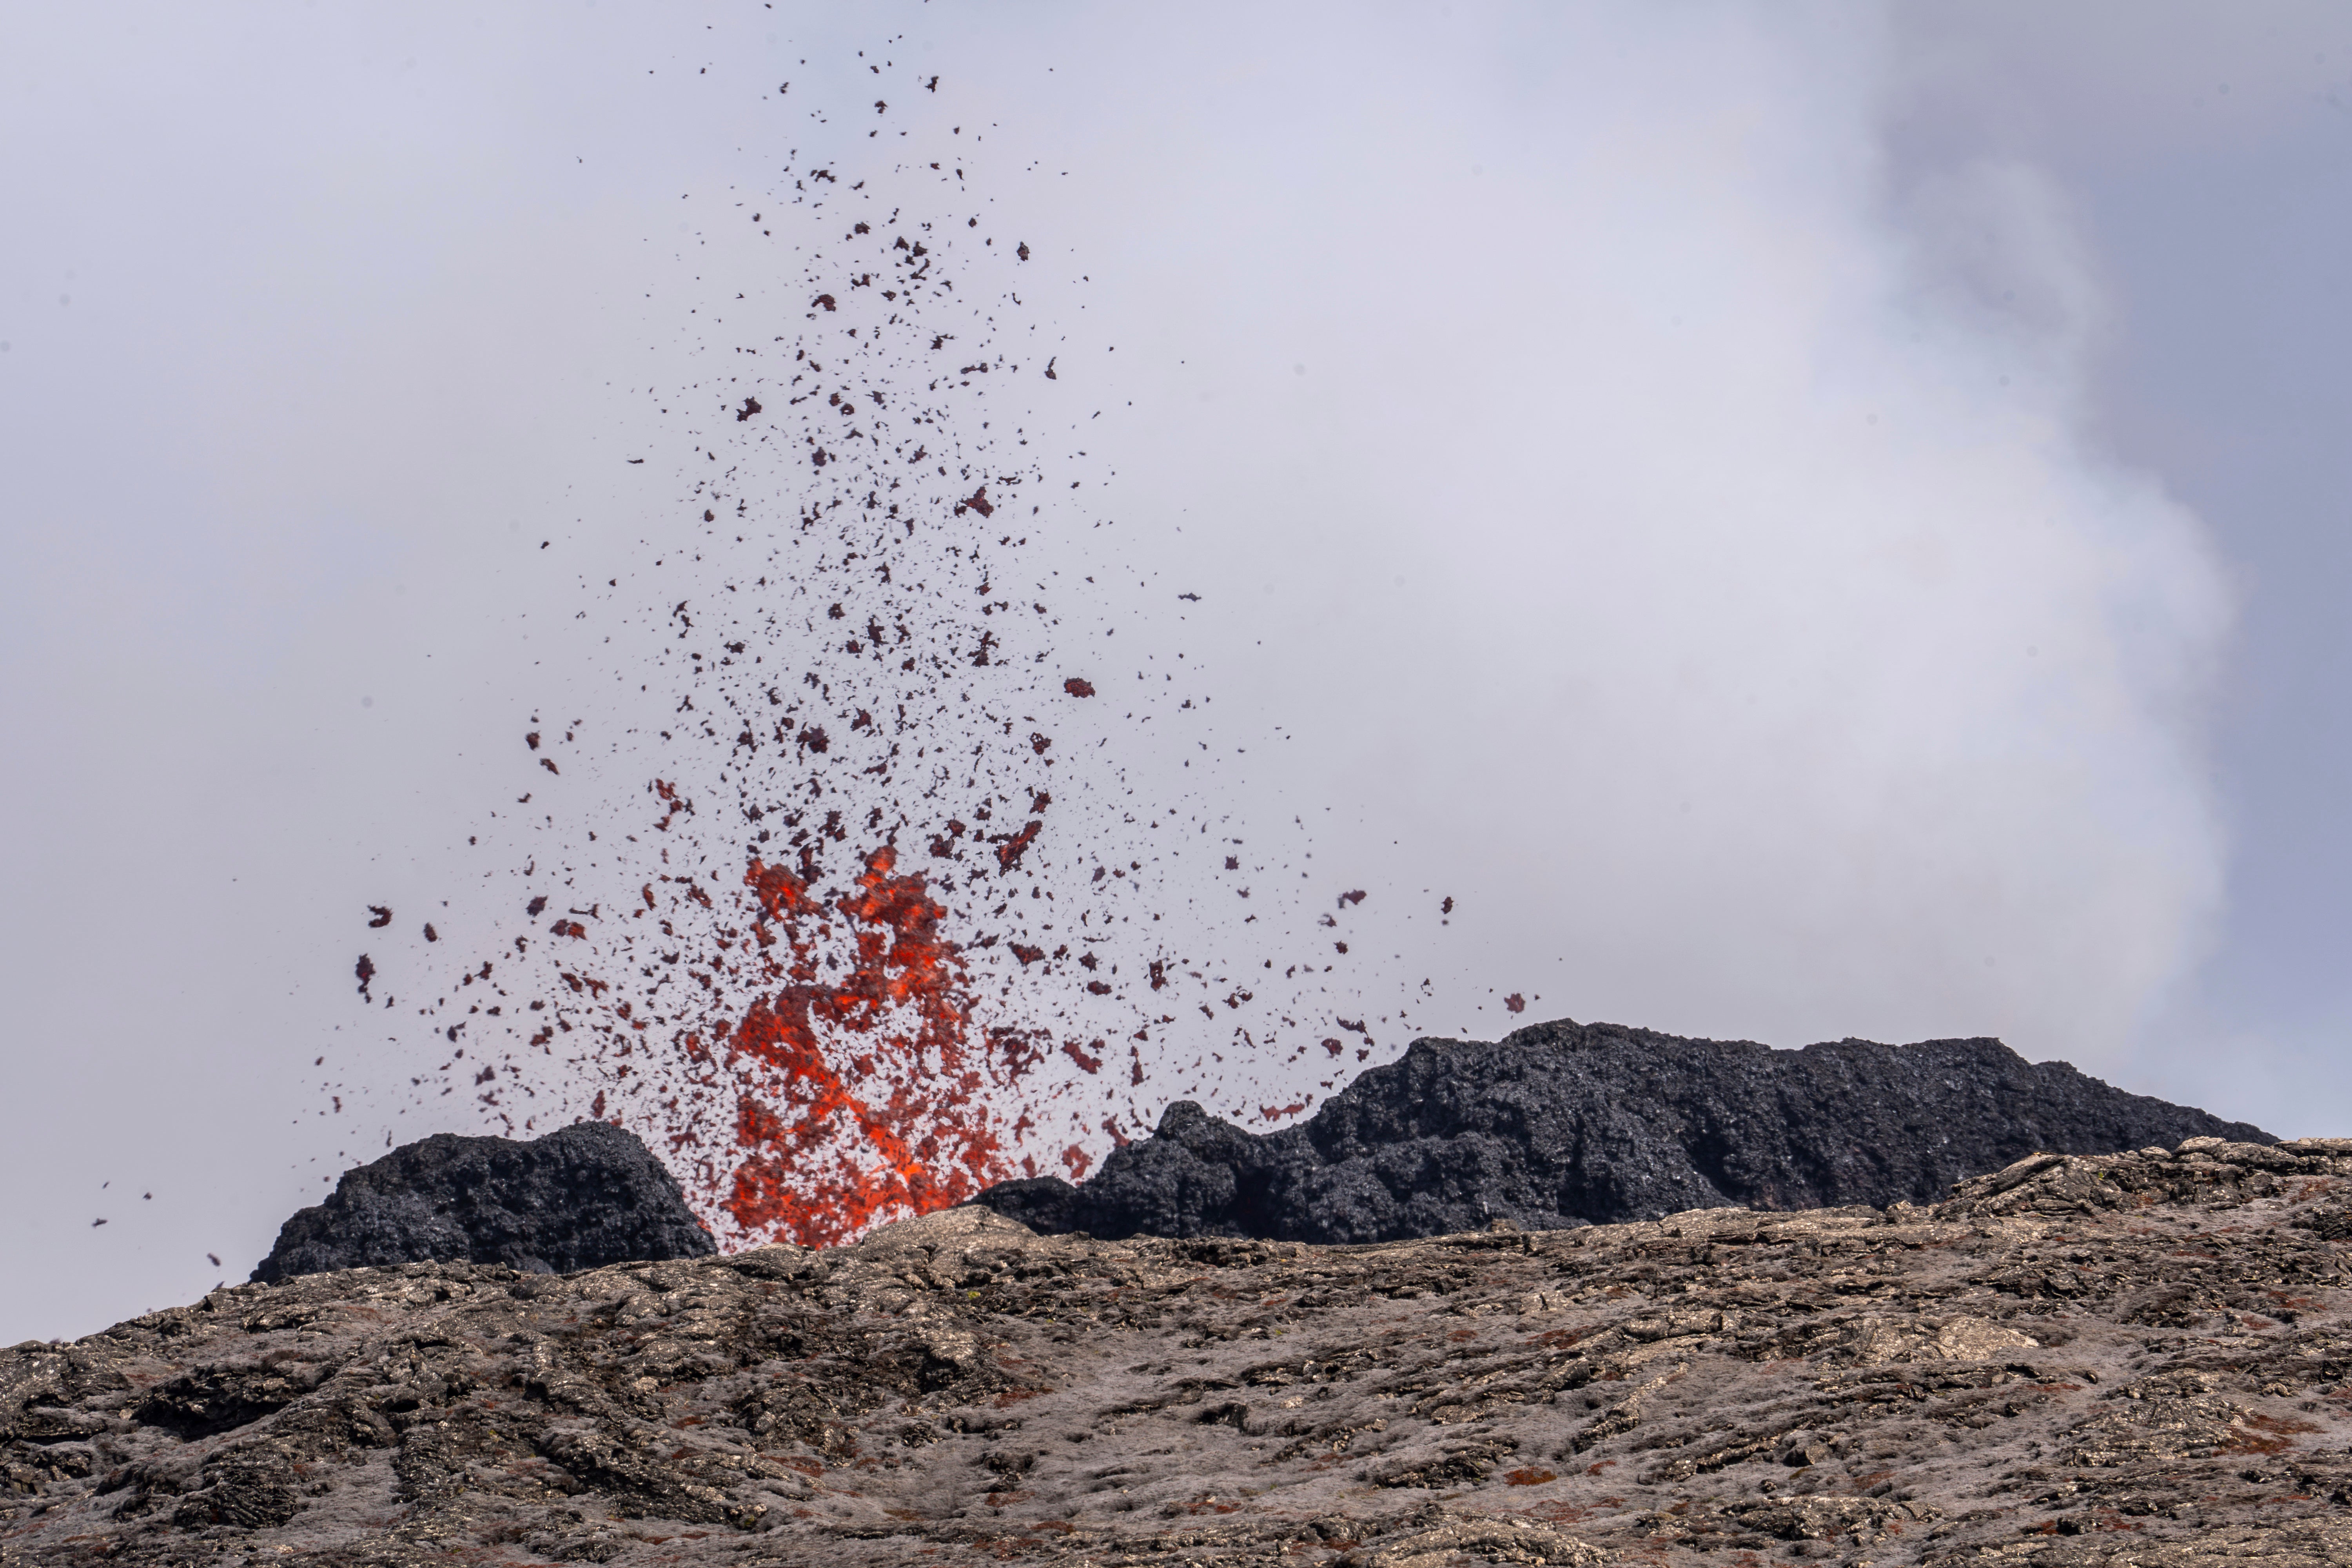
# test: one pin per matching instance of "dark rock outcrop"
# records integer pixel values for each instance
(588, 1195)
(1562, 1124)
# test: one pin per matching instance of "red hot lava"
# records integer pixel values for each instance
(914, 1096)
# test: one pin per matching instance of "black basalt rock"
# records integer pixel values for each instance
(580, 1198)
(1563, 1124)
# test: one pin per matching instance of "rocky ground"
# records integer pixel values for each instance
(2127, 1359)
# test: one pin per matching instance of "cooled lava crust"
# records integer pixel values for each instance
(1565, 1123)
(2138, 1358)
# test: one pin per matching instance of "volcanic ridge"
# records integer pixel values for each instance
(1564, 1124)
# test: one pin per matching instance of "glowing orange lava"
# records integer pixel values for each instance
(910, 1098)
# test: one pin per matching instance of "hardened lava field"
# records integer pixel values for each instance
(2124, 1359)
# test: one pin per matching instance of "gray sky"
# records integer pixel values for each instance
(1806, 522)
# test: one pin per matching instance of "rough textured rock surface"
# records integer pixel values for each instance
(1564, 1124)
(2136, 1359)
(580, 1198)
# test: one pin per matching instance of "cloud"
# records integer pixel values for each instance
(1680, 547)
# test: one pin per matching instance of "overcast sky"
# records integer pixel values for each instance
(1806, 522)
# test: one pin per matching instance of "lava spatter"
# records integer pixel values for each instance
(822, 948)
(834, 1139)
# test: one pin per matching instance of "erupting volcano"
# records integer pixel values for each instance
(884, 923)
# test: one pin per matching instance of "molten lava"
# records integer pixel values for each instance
(834, 1141)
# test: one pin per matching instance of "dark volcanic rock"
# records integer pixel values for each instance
(581, 1198)
(1563, 1124)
